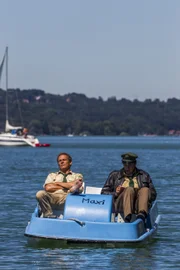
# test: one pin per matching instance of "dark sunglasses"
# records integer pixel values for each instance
(128, 162)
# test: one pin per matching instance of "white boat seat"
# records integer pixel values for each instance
(92, 190)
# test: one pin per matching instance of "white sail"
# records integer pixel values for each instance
(13, 135)
(8, 127)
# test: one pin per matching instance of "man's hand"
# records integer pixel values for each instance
(76, 186)
(79, 183)
(119, 189)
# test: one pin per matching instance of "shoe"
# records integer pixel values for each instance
(142, 215)
(128, 218)
(50, 216)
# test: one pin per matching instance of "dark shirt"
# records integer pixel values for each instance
(117, 178)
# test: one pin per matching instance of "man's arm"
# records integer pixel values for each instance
(152, 189)
(109, 186)
(147, 182)
(51, 187)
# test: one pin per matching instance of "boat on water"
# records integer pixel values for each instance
(87, 218)
(15, 135)
(70, 135)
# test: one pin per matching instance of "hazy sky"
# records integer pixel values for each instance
(124, 48)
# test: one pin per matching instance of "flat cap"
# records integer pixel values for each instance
(129, 157)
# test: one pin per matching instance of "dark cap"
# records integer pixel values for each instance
(129, 157)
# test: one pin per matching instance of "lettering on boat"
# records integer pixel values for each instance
(93, 201)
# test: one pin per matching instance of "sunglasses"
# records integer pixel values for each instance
(128, 163)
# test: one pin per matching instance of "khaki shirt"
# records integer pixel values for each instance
(126, 182)
(58, 177)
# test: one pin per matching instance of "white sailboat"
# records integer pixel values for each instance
(14, 135)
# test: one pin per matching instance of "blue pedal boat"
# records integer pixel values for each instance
(89, 218)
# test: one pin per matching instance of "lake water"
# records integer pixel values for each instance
(24, 169)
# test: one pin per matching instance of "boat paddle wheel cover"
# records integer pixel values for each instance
(88, 207)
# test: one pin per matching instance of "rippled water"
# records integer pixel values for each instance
(24, 169)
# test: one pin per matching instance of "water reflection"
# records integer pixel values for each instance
(77, 256)
(37, 243)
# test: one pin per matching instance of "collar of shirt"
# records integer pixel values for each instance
(60, 172)
(134, 174)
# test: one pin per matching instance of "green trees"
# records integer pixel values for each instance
(50, 114)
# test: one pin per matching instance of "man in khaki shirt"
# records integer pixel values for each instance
(57, 186)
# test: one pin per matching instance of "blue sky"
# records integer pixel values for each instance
(123, 48)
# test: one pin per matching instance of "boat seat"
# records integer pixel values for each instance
(92, 190)
(88, 207)
(97, 190)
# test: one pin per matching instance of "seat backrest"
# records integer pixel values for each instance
(92, 190)
(88, 207)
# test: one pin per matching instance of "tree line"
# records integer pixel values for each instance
(50, 114)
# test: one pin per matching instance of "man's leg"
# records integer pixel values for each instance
(45, 200)
(143, 199)
(142, 203)
(59, 200)
(128, 203)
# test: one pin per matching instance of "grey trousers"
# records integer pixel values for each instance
(48, 200)
(132, 201)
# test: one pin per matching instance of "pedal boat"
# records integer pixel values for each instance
(89, 218)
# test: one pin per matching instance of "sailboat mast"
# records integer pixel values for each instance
(6, 83)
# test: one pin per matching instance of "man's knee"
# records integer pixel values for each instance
(144, 191)
(129, 190)
(40, 194)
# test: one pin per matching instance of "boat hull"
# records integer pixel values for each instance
(90, 232)
(12, 142)
(91, 223)
(8, 139)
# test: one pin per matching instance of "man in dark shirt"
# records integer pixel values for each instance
(132, 189)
